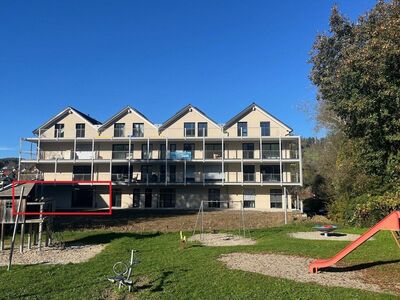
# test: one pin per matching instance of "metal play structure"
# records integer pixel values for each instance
(215, 205)
(123, 271)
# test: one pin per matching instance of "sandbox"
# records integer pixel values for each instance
(221, 239)
(51, 255)
(295, 268)
(316, 235)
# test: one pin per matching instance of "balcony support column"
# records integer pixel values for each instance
(204, 148)
(110, 168)
(38, 148)
(166, 161)
(19, 160)
(184, 172)
(261, 149)
(241, 160)
(300, 163)
(55, 169)
(129, 159)
(148, 150)
(74, 150)
(92, 164)
(280, 160)
(285, 203)
(222, 157)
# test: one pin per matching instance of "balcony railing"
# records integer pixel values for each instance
(248, 154)
(213, 154)
(270, 154)
(290, 154)
(271, 177)
(121, 155)
(249, 177)
(81, 176)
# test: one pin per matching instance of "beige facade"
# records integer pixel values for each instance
(251, 161)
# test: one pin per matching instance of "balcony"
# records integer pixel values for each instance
(290, 154)
(86, 154)
(248, 154)
(213, 154)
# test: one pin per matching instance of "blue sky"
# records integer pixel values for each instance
(157, 56)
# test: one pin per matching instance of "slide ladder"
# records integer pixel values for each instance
(390, 222)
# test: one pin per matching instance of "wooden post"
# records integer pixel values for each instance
(40, 228)
(15, 229)
(29, 236)
(21, 244)
(2, 237)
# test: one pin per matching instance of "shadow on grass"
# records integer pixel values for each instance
(360, 266)
(105, 238)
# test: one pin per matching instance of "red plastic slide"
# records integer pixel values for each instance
(390, 222)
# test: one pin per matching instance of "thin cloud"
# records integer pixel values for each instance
(5, 148)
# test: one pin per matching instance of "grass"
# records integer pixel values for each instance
(192, 273)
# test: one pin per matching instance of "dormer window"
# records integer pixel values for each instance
(189, 129)
(119, 129)
(265, 128)
(242, 128)
(138, 130)
(202, 129)
(80, 130)
(59, 131)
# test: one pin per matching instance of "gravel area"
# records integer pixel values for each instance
(316, 235)
(221, 239)
(295, 268)
(71, 254)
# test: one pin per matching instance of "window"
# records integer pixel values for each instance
(59, 131)
(189, 148)
(270, 150)
(167, 197)
(172, 151)
(248, 150)
(213, 151)
(81, 172)
(214, 196)
(202, 129)
(249, 198)
(120, 151)
(276, 198)
(162, 152)
(248, 173)
(242, 128)
(116, 198)
(138, 130)
(136, 198)
(80, 130)
(147, 154)
(270, 173)
(119, 129)
(120, 173)
(190, 173)
(265, 128)
(146, 172)
(189, 129)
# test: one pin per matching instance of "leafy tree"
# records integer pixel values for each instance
(357, 71)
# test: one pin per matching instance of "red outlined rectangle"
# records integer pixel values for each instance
(63, 213)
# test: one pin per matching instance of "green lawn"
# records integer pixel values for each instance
(193, 273)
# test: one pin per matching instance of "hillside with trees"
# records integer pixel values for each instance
(356, 69)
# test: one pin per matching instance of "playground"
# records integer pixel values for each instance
(275, 266)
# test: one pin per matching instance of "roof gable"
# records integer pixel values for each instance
(63, 113)
(181, 113)
(248, 110)
(121, 114)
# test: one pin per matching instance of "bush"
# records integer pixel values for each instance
(368, 210)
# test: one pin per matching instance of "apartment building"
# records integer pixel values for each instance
(252, 160)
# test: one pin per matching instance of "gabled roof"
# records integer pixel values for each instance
(67, 110)
(250, 108)
(122, 113)
(181, 113)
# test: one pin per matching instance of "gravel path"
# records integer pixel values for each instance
(294, 268)
(316, 235)
(71, 254)
(221, 239)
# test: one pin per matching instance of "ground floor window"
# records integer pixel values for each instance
(136, 198)
(116, 198)
(82, 197)
(276, 198)
(167, 197)
(214, 196)
(249, 198)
